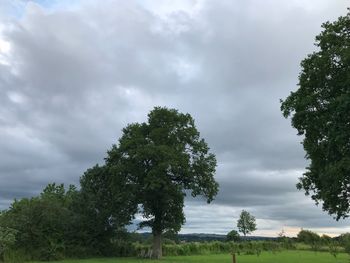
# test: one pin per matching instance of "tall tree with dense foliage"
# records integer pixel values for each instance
(163, 159)
(246, 223)
(319, 110)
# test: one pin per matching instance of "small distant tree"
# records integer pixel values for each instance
(326, 240)
(233, 235)
(246, 223)
(308, 237)
(171, 236)
(282, 234)
(284, 240)
(333, 248)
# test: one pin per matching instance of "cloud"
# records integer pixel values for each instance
(72, 76)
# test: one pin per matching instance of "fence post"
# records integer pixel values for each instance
(234, 258)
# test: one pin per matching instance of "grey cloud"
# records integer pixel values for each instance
(76, 77)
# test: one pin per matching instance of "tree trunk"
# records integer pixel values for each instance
(157, 245)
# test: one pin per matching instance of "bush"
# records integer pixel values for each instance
(288, 243)
(308, 237)
(7, 240)
(233, 235)
(333, 248)
(14, 256)
(346, 245)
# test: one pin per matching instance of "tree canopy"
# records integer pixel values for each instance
(105, 204)
(163, 159)
(246, 223)
(233, 235)
(7, 240)
(42, 224)
(63, 223)
(308, 237)
(319, 110)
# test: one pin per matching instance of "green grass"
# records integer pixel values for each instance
(282, 257)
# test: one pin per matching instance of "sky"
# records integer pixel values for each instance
(74, 73)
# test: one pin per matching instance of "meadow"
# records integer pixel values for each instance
(266, 257)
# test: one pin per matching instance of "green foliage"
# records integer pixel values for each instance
(333, 248)
(265, 257)
(170, 237)
(286, 242)
(308, 237)
(109, 197)
(347, 246)
(42, 223)
(123, 248)
(105, 204)
(326, 240)
(251, 248)
(15, 256)
(246, 223)
(7, 240)
(319, 110)
(161, 161)
(54, 225)
(233, 235)
(344, 240)
(215, 247)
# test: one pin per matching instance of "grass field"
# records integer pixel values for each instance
(283, 257)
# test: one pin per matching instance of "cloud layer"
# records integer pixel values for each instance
(74, 73)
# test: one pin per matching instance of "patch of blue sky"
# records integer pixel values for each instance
(54, 5)
(17, 8)
(12, 9)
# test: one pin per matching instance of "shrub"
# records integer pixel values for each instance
(233, 235)
(7, 240)
(14, 256)
(308, 237)
(333, 248)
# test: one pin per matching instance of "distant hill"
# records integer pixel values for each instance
(203, 237)
(215, 237)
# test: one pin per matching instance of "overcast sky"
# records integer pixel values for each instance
(74, 73)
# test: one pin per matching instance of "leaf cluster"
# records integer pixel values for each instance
(319, 110)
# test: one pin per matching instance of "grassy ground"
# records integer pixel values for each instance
(283, 257)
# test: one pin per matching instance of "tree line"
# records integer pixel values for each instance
(151, 169)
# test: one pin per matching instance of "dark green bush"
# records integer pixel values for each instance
(14, 256)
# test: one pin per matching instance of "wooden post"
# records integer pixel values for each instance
(234, 258)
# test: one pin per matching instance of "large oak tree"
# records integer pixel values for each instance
(320, 111)
(162, 160)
